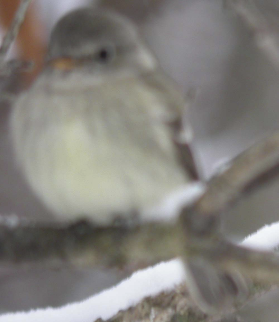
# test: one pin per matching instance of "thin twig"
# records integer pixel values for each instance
(265, 37)
(14, 29)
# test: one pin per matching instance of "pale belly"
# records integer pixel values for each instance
(93, 177)
(97, 161)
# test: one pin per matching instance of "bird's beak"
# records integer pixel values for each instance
(64, 63)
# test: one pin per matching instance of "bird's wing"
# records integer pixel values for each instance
(177, 107)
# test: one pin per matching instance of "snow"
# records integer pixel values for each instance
(148, 282)
(266, 238)
(169, 209)
(141, 284)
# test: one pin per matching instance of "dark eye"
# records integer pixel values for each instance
(105, 54)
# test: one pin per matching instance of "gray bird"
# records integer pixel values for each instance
(98, 136)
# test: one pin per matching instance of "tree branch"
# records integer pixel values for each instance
(258, 265)
(250, 171)
(82, 244)
(14, 29)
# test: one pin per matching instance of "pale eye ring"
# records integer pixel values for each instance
(105, 54)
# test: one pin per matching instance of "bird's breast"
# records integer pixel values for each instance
(107, 151)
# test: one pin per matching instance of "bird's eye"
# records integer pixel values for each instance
(105, 54)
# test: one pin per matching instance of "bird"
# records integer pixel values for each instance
(98, 135)
(101, 135)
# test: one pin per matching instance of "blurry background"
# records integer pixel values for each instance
(199, 43)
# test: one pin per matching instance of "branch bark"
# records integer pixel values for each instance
(250, 171)
(83, 245)
(14, 29)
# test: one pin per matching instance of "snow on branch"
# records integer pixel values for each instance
(163, 282)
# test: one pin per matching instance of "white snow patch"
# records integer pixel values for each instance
(148, 282)
(169, 209)
(266, 238)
